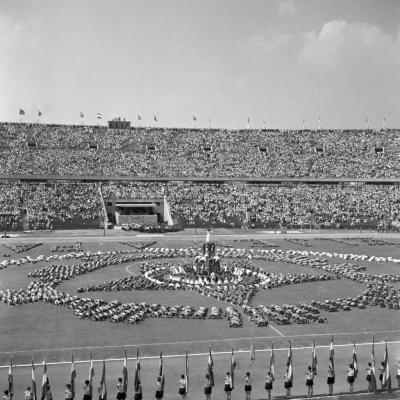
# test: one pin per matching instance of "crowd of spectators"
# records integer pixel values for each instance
(160, 152)
(235, 204)
(37, 149)
(43, 204)
(207, 204)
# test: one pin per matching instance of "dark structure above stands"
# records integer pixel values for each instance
(117, 123)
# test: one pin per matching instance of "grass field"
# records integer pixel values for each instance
(44, 331)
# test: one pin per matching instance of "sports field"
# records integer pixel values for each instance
(44, 331)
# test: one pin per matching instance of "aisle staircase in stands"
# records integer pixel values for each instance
(103, 206)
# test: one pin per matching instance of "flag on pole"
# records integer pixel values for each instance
(252, 350)
(73, 376)
(155, 118)
(272, 362)
(264, 121)
(194, 118)
(34, 394)
(210, 366)
(82, 115)
(91, 375)
(233, 366)
(289, 364)
(331, 358)
(355, 364)
(125, 373)
(314, 360)
(10, 381)
(373, 372)
(139, 117)
(386, 379)
(99, 116)
(161, 373)
(137, 372)
(187, 371)
(21, 111)
(39, 113)
(45, 383)
(103, 386)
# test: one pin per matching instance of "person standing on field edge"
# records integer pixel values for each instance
(309, 381)
(121, 393)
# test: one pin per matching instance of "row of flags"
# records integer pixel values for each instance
(99, 115)
(194, 118)
(22, 112)
(46, 391)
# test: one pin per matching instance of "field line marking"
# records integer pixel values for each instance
(191, 341)
(162, 243)
(277, 331)
(202, 354)
(349, 395)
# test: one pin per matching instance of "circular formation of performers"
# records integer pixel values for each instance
(235, 278)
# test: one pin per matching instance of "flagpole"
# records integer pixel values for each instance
(272, 361)
(10, 381)
(252, 349)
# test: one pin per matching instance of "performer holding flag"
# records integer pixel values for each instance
(159, 389)
(331, 369)
(46, 392)
(247, 385)
(184, 380)
(228, 385)
(182, 387)
(229, 378)
(122, 384)
(289, 372)
(350, 377)
(28, 395)
(137, 383)
(331, 357)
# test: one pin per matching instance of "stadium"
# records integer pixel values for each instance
(296, 258)
(194, 248)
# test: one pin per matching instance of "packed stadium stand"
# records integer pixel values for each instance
(59, 175)
(172, 153)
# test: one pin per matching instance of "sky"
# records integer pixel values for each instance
(222, 61)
